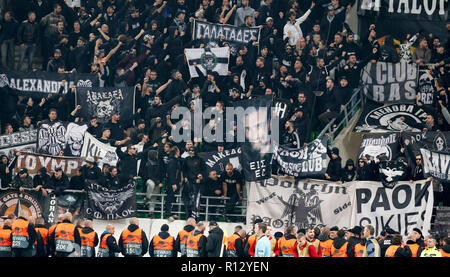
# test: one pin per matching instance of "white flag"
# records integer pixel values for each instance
(212, 59)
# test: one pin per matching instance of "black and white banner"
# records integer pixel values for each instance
(309, 161)
(104, 102)
(19, 141)
(397, 18)
(74, 139)
(210, 33)
(376, 145)
(390, 83)
(41, 83)
(436, 164)
(391, 172)
(107, 204)
(51, 138)
(391, 118)
(218, 160)
(282, 109)
(281, 202)
(93, 148)
(425, 89)
(207, 60)
(435, 141)
(402, 208)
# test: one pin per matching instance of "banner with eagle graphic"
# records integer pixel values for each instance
(282, 202)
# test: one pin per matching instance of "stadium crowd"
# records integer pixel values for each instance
(307, 54)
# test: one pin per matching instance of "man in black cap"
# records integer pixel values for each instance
(334, 165)
(418, 237)
(193, 168)
(22, 180)
(214, 245)
(387, 241)
(90, 171)
(353, 238)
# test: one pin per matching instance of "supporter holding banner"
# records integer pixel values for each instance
(375, 145)
(18, 141)
(436, 164)
(218, 160)
(104, 102)
(74, 139)
(207, 60)
(391, 118)
(108, 204)
(402, 208)
(281, 202)
(51, 138)
(33, 162)
(93, 148)
(437, 141)
(307, 162)
(211, 34)
(390, 82)
(40, 83)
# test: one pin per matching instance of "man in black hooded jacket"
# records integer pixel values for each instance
(334, 166)
(193, 167)
(173, 179)
(214, 241)
(339, 243)
(180, 242)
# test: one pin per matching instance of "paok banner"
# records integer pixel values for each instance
(402, 208)
(104, 102)
(19, 141)
(281, 202)
(309, 161)
(41, 83)
(59, 137)
(106, 204)
(400, 17)
(375, 145)
(436, 141)
(436, 164)
(210, 33)
(207, 60)
(218, 160)
(33, 162)
(391, 118)
(390, 83)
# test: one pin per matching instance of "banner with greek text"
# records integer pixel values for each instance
(218, 160)
(33, 162)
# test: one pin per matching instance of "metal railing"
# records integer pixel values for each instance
(357, 101)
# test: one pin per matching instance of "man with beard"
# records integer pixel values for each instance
(231, 184)
(193, 166)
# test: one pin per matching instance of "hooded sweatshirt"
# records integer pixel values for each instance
(214, 242)
(163, 235)
(88, 230)
(132, 228)
(339, 242)
(187, 228)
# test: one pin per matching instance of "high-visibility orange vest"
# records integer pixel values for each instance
(20, 236)
(192, 245)
(51, 230)
(132, 242)
(103, 250)
(359, 250)
(5, 240)
(183, 235)
(87, 244)
(325, 246)
(44, 234)
(445, 254)
(287, 247)
(341, 252)
(414, 249)
(64, 237)
(231, 248)
(390, 252)
(163, 247)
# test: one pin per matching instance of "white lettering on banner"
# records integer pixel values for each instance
(406, 7)
(436, 164)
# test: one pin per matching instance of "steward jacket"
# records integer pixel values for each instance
(416, 250)
(110, 244)
(29, 232)
(398, 251)
(196, 247)
(431, 252)
(41, 243)
(89, 240)
(180, 242)
(341, 244)
(445, 251)
(5, 241)
(144, 241)
(287, 246)
(153, 245)
(53, 236)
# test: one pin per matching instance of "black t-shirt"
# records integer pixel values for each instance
(231, 182)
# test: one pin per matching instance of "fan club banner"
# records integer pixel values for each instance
(207, 60)
(12, 202)
(402, 208)
(436, 141)
(210, 33)
(436, 164)
(106, 204)
(41, 83)
(376, 145)
(390, 83)
(307, 162)
(33, 162)
(400, 17)
(93, 148)
(281, 202)
(59, 137)
(218, 160)
(391, 118)
(104, 102)
(19, 141)
(425, 89)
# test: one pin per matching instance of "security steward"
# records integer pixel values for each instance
(108, 245)
(133, 241)
(23, 236)
(51, 230)
(231, 242)
(398, 248)
(196, 242)
(325, 246)
(162, 244)
(287, 244)
(5, 239)
(180, 242)
(340, 247)
(66, 238)
(41, 242)
(89, 240)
